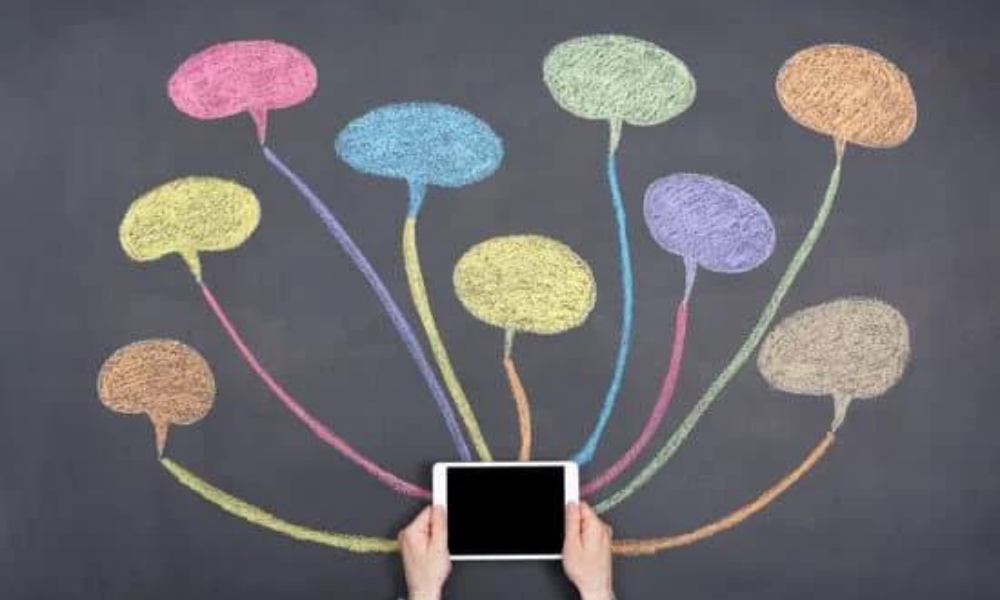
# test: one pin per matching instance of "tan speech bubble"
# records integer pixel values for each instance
(164, 379)
(187, 216)
(850, 93)
(850, 348)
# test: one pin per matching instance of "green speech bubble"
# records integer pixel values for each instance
(619, 79)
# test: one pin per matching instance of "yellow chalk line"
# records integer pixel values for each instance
(418, 291)
(352, 543)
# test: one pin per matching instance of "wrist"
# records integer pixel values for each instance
(416, 593)
(601, 594)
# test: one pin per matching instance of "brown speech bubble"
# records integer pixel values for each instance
(849, 348)
(164, 379)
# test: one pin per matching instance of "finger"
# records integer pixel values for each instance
(419, 528)
(439, 527)
(591, 526)
(573, 518)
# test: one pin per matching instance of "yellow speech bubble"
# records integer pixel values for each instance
(850, 348)
(164, 379)
(187, 216)
(525, 283)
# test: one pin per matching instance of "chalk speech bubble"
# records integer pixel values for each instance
(424, 143)
(619, 79)
(252, 76)
(852, 94)
(527, 283)
(166, 380)
(187, 216)
(708, 222)
(850, 348)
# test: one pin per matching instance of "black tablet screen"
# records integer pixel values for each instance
(505, 510)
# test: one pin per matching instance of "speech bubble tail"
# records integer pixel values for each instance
(417, 189)
(508, 342)
(615, 135)
(160, 427)
(690, 271)
(839, 145)
(840, 406)
(193, 263)
(259, 116)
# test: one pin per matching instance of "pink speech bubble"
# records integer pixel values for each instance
(248, 75)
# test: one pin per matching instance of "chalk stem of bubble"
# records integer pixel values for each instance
(586, 453)
(370, 544)
(317, 428)
(746, 349)
(418, 291)
(390, 306)
(659, 409)
(840, 405)
(637, 547)
(359, 544)
(520, 397)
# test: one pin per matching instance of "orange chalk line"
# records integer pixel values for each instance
(636, 547)
(523, 410)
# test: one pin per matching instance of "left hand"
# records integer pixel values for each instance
(424, 546)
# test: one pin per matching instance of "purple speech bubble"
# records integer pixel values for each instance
(708, 222)
(254, 76)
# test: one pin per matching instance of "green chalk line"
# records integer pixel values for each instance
(742, 355)
(353, 543)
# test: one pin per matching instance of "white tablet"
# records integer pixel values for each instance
(506, 510)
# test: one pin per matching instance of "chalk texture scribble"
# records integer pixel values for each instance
(619, 79)
(708, 222)
(261, 75)
(193, 214)
(425, 143)
(187, 216)
(850, 94)
(524, 283)
(166, 380)
(399, 321)
(252, 76)
(360, 544)
(834, 90)
(638, 547)
(851, 349)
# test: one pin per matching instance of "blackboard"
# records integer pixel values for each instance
(903, 504)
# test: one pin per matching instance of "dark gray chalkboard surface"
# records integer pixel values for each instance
(905, 504)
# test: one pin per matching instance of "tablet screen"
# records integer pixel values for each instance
(506, 510)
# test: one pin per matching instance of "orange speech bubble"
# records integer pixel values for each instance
(165, 379)
(850, 93)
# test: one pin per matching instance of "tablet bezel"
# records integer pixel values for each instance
(571, 486)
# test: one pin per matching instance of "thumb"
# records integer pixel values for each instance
(590, 525)
(573, 522)
(439, 527)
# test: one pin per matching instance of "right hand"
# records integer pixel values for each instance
(587, 553)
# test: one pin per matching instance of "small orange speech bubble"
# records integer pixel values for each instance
(164, 379)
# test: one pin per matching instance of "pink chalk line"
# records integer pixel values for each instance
(659, 409)
(318, 429)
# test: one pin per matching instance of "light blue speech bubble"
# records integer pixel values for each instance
(424, 143)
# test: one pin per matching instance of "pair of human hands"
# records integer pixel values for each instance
(586, 553)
